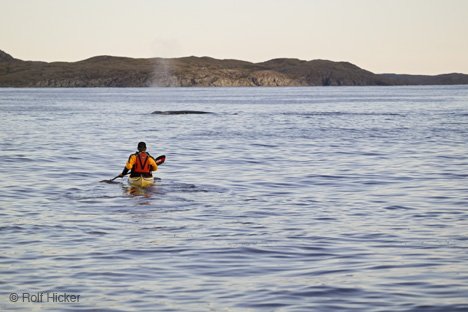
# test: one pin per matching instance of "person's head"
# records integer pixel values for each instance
(141, 146)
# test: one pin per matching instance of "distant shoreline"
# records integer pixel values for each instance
(237, 87)
(123, 72)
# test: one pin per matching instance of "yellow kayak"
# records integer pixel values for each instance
(141, 181)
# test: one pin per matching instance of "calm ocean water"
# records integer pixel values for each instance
(283, 199)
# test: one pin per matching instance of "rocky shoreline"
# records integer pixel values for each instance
(110, 71)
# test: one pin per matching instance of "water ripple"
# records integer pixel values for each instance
(289, 199)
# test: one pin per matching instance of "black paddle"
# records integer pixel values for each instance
(159, 161)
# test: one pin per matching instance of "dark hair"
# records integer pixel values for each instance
(141, 146)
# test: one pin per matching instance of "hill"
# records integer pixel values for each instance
(111, 71)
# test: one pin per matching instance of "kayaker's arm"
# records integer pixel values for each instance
(128, 165)
(153, 164)
(125, 171)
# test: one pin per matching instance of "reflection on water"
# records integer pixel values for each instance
(138, 191)
(294, 199)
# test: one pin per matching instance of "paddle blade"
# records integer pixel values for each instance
(111, 180)
(160, 160)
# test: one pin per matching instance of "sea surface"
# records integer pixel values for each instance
(281, 199)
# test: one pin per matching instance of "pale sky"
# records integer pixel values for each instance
(401, 36)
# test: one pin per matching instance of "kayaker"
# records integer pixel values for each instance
(141, 163)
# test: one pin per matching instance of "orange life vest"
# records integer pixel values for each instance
(141, 163)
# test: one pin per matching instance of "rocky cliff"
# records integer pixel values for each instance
(109, 71)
